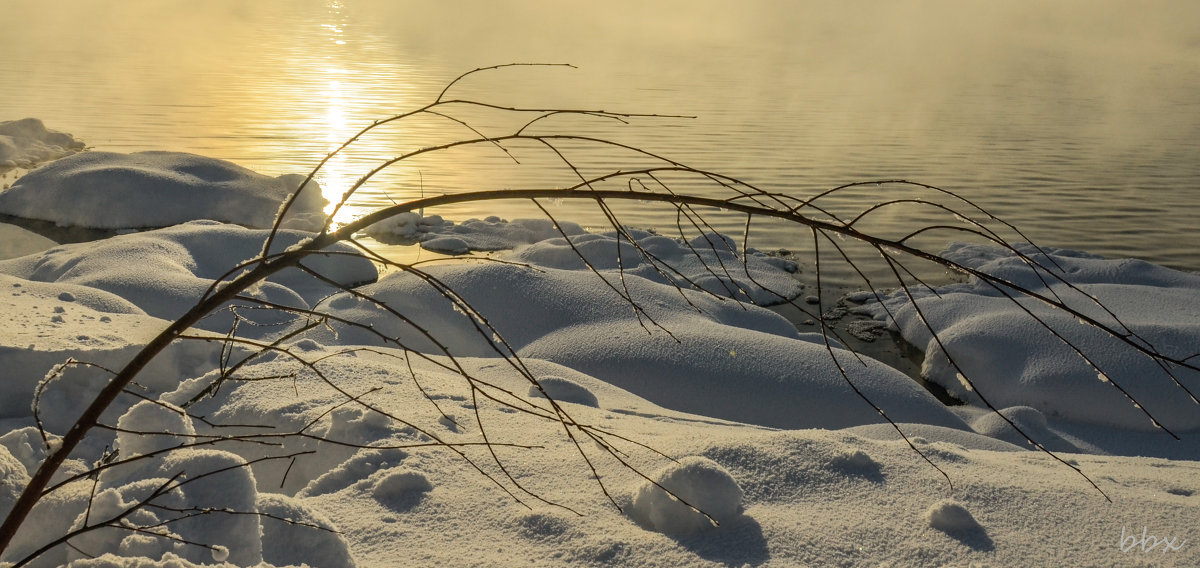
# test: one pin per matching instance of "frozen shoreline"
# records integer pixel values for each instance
(797, 468)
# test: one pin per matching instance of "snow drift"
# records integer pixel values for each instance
(369, 445)
(27, 142)
(164, 272)
(1014, 360)
(108, 190)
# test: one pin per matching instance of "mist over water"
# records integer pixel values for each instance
(1079, 122)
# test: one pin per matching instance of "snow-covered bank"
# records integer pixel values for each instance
(710, 262)
(167, 188)
(164, 272)
(27, 142)
(371, 445)
(680, 349)
(1013, 360)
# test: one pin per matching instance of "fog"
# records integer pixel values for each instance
(1017, 103)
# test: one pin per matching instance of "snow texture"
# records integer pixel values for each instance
(108, 190)
(165, 271)
(27, 142)
(696, 484)
(713, 357)
(798, 470)
(491, 234)
(950, 516)
(1012, 359)
(15, 241)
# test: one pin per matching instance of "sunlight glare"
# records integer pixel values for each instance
(335, 176)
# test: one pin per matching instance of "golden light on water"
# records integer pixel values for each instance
(1075, 101)
(334, 177)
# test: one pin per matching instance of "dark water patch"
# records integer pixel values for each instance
(60, 234)
(856, 331)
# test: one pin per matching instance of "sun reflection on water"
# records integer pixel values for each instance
(1089, 116)
(334, 177)
(342, 89)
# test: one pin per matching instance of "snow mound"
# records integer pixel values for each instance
(950, 516)
(491, 234)
(565, 390)
(401, 483)
(523, 304)
(350, 472)
(760, 373)
(711, 262)
(47, 323)
(152, 426)
(1013, 360)
(26, 445)
(26, 142)
(108, 190)
(110, 560)
(215, 479)
(213, 483)
(935, 435)
(13, 479)
(296, 534)
(1030, 421)
(401, 488)
(176, 265)
(699, 481)
(856, 461)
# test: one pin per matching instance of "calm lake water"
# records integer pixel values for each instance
(1079, 122)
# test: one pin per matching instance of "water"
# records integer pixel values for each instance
(1079, 122)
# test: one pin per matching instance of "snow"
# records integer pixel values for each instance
(950, 516)
(695, 484)
(1013, 360)
(704, 351)
(563, 390)
(168, 423)
(364, 444)
(299, 534)
(26, 142)
(15, 241)
(490, 234)
(710, 262)
(171, 187)
(164, 271)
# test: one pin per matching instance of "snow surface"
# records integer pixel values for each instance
(491, 234)
(710, 262)
(169, 188)
(1013, 360)
(699, 489)
(27, 142)
(164, 272)
(763, 432)
(15, 241)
